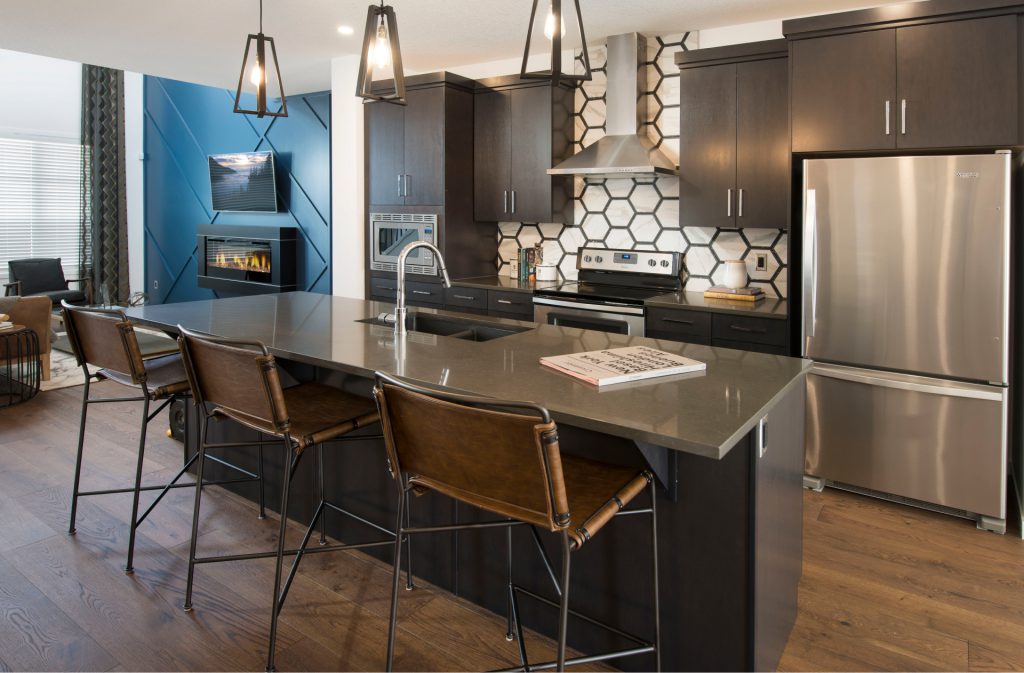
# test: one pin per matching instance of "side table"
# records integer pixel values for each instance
(19, 365)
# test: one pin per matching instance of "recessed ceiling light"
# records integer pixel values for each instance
(346, 30)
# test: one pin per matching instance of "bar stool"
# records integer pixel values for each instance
(503, 457)
(237, 379)
(105, 338)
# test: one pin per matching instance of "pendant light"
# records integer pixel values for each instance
(255, 73)
(554, 19)
(380, 50)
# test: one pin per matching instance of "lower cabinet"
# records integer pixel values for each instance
(459, 299)
(723, 330)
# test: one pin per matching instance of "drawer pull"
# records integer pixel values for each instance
(506, 301)
(677, 321)
(424, 292)
(464, 296)
(388, 288)
(759, 330)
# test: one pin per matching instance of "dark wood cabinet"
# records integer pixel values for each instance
(933, 82)
(385, 150)
(521, 129)
(425, 147)
(734, 124)
(726, 330)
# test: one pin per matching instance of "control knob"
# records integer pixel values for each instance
(652, 263)
(599, 259)
(587, 258)
(665, 263)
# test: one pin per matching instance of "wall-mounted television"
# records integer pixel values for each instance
(243, 182)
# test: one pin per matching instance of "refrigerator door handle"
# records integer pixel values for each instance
(810, 271)
(911, 383)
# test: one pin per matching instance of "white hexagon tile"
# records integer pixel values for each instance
(643, 214)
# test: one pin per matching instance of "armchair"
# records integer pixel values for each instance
(43, 276)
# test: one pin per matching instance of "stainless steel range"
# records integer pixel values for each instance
(610, 293)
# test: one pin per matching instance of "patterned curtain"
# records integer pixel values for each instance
(104, 232)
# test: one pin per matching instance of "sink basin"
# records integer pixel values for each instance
(457, 328)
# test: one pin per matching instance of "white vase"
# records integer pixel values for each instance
(735, 274)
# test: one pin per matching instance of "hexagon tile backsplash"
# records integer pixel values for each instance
(643, 214)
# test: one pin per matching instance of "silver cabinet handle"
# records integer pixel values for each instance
(407, 176)
(513, 202)
(464, 296)
(677, 321)
(423, 292)
(903, 116)
(506, 301)
(728, 202)
(740, 213)
(504, 208)
(888, 129)
(400, 192)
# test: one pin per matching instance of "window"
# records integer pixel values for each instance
(40, 202)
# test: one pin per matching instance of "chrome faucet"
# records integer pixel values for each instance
(400, 310)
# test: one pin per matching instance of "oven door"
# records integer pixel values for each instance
(616, 318)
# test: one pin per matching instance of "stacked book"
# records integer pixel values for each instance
(742, 294)
(5, 322)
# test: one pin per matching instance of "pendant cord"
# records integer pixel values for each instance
(261, 16)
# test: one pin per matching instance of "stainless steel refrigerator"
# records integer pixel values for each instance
(906, 314)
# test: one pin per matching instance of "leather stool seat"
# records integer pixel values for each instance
(316, 413)
(165, 376)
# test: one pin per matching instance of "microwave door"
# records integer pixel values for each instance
(391, 241)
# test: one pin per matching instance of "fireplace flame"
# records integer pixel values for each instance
(252, 261)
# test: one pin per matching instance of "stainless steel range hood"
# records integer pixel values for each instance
(624, 151)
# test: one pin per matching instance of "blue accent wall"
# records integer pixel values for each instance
(184, 123)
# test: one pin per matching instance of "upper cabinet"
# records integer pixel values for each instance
(734, 136)
(521, 129)
(416, 153)
(927, 82)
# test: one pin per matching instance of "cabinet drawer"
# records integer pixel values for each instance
(384, 288)
(690, 326)
(520, 304)
(425, 293)
(746, 328)
(749, 346)
(466, 297)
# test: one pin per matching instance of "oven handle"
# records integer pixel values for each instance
(603, 308)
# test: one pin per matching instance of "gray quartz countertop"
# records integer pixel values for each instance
(501, 283)
(704, 413)
(766, 308)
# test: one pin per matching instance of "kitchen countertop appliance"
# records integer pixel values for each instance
(906, 314)
(610, 293)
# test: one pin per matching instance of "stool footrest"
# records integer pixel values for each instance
(293, 552)
(588, 659)
(590, 620)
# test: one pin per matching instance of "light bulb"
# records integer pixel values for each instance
(256, 75)
(549, 24)
(381, 47)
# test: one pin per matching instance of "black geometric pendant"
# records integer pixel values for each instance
(255, 73)
(554, 30)
(380, 50)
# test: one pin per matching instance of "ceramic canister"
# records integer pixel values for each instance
(735, 274)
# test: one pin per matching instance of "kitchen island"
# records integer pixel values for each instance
(726, 446)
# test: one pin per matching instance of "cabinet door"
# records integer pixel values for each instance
(385, 152)
(491, 156)
(840, 87)
(762, 144)
(424, 147)
(959, 83)
(530, 113)
(707, 131)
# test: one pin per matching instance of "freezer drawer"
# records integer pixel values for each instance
(933, 440)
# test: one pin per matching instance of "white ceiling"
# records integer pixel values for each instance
(202, 40)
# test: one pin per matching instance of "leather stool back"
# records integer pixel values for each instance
(504, 459)
(236, 375)
(106, 339)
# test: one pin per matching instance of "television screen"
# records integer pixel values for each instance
(243, 182)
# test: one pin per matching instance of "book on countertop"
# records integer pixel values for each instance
(620, 365)
(721, 289)
(747, 298)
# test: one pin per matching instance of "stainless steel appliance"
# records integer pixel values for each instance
(391, 232)
(906, 313)
(610, 293)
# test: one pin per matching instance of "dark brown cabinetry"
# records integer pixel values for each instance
(406, 150)
(734, 125)
(521, 129)
(725, 330)
(937, 81)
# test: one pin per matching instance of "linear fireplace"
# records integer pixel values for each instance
(246, 259)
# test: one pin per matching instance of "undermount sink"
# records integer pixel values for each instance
(457, 328)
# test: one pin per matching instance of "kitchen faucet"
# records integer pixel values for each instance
(400, 310)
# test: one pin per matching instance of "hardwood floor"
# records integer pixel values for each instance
(885, 587)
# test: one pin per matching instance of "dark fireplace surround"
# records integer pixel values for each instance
(245, 259)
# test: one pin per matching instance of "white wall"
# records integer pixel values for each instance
(348, 244)
(741, 33)
(134, 185)
(40, 97)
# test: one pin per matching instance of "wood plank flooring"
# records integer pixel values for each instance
(885, 587)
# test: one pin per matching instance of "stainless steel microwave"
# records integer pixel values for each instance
(391, 232)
